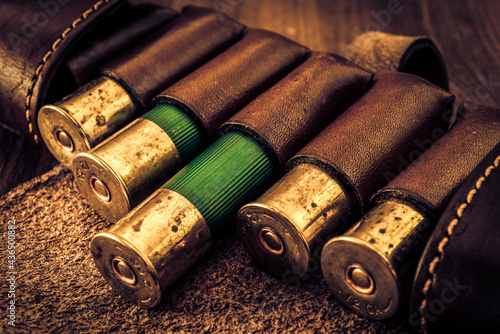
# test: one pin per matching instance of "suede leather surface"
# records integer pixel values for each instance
(25, 47)
(299, 106)
(464, 294)
(367, 140)
(436, 175)
(130, 24)
(227, 83)
(194, 37)
(59, 289)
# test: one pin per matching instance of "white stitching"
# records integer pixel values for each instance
(46, 58)
(444, 242)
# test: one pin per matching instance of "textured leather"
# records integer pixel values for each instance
(367, 140)
(227, 83)
(417, 55)
(31, 53)
(434, 177)
(128, 25)
(194, 37)
(293, 111)
(463, 296)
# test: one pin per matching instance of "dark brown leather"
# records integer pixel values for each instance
(419, 55)
(32, 47)
(298, 107)
(464, 295)
(227, 83)
(367, 140)
(434, 177)
(128, 25)
(194, 37)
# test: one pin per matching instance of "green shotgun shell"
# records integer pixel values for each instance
(154, 244)
(131, 162)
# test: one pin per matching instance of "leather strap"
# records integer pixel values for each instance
(456, 285)
(35, 38)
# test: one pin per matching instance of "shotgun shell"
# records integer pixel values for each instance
(84, 118)
(362, 265)
(154, 244)
(370, 268)
(284, 227)
(148, 251)
(113, 174)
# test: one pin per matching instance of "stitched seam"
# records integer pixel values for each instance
(47, 56)
(431, 273)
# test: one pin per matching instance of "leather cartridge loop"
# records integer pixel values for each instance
(434, 182)
(299, 106)
(141, 69)
(417, 109)
(129, 25)
(227, 83)
(417, 55)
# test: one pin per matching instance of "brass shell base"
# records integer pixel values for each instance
(151, 247)
(253, 220)
(144, 287)
(53, 120)
(285, 228)
(338, 257)
(86, 167)
(85, 118)
(131, 165)
(378, 247)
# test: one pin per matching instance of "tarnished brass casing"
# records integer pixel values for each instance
(365, 265)
(121, 171)
(83, 119)
(290, 223)
(151, 247)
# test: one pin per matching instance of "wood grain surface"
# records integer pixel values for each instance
(467, 32)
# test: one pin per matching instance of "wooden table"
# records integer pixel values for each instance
(467, 32)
